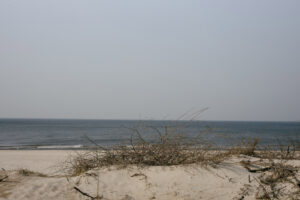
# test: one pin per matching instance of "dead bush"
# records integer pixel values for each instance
(168, 148)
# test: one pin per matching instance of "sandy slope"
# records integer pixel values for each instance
(41, 161)
(227, 181)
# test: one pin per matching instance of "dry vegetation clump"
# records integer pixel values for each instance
(285, 152)
(167, 149)
(245, 147)
(279, 172)
(251, 147)
(3, 175)
(5, 184)
(26, 172)
(276, 179)
(279, 182)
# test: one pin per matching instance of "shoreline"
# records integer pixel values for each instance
(80, 147)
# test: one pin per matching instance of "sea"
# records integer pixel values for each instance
(38, 134)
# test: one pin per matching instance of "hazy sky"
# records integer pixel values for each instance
(150, 59)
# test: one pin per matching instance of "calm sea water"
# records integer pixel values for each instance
(68, 134)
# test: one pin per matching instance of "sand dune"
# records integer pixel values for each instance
(229, 180)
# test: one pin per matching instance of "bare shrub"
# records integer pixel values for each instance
(168, 148)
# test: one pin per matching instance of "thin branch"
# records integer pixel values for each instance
(93, 142)
(84, 193)
(3, 179)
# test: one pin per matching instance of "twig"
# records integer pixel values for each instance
(84, 193)
(159, 133)
(264, 189)
(3, 179)
(93, 142)
(139, 174)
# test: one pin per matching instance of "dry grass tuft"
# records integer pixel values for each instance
(26, 172)
(288, 152)
(245, 147)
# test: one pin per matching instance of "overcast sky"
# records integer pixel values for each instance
(95, 59)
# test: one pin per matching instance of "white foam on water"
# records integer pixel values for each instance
(60, 147)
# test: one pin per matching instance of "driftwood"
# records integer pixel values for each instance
(257, 170)
(253, 168)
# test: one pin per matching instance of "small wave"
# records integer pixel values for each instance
(61, 147)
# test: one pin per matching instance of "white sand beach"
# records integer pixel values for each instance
(229, 180)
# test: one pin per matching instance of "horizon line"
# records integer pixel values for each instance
(133, 119)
